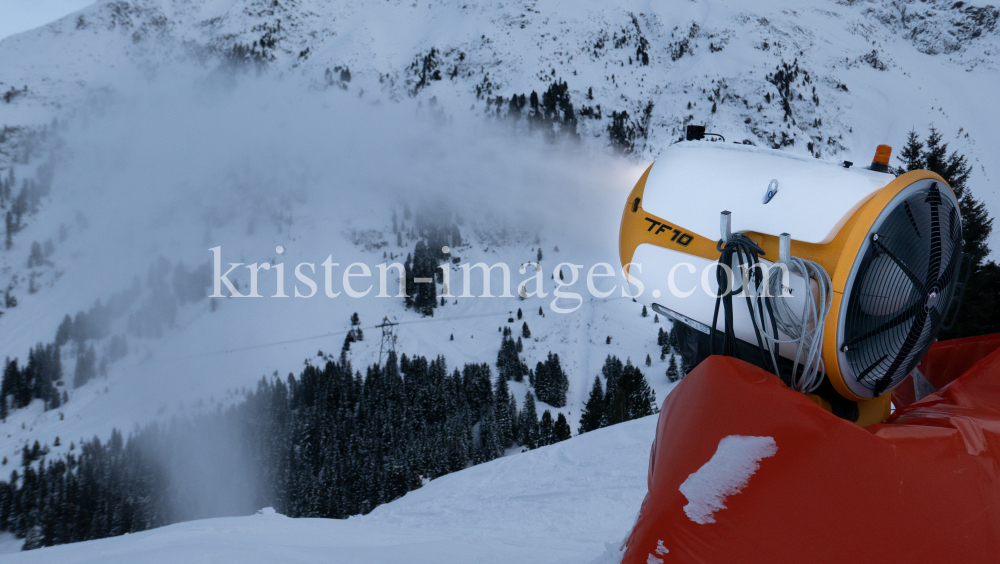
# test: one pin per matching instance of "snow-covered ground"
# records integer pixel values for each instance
(571, 502)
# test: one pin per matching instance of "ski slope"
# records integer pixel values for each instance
(570, 502)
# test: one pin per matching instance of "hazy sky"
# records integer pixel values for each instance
(21, 15)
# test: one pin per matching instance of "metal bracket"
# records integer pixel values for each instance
(726, 226)
(666, 312)
(784, 247)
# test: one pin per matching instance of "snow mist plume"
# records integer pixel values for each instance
(156, 175)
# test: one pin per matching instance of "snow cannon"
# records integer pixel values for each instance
(850, 271)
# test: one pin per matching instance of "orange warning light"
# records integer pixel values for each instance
(881, 161)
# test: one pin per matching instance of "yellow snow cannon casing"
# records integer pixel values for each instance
(891, 245)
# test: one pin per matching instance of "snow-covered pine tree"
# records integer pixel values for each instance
(509, 364)
(545, 429)
(551, 382)
(527, 424)
(593, 410)
(502, 415)
(672, 374)
(424, 266)
(561, 430)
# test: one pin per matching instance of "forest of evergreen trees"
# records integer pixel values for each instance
(330, 443)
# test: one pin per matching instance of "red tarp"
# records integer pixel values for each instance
(922, 487)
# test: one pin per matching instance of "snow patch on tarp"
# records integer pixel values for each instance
(726, 473)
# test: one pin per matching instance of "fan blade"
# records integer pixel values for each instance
(934, 263)
(909, 214)
(919, 284)
(896, 320)
(866, 371)
(916, 330)
(949, 271)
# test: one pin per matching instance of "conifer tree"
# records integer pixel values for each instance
(551, 382)
(86, 366)
(672, 373)
(489, 439)
(64, 331)
(509, 364)
(502, 415)
(649, 361)
(519, 314)
(514, 420)
(35, 258)
(644, 312)
(525, 332)
(593, 410)
(561, 430)
(410, 289)
(9, 241)
(424, 266)
(527, 424)
(11, 381)
(545, 429)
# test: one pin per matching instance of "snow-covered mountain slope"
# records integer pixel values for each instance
(24, 15)
(569, 502)
(859, 73)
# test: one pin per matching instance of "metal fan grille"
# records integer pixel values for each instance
(901, 288)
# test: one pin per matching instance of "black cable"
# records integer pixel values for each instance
(747, 255)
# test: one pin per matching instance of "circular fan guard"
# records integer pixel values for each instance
(900, 288)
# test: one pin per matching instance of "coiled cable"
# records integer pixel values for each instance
(805, 328)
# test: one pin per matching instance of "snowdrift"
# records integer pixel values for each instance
(745, 470)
